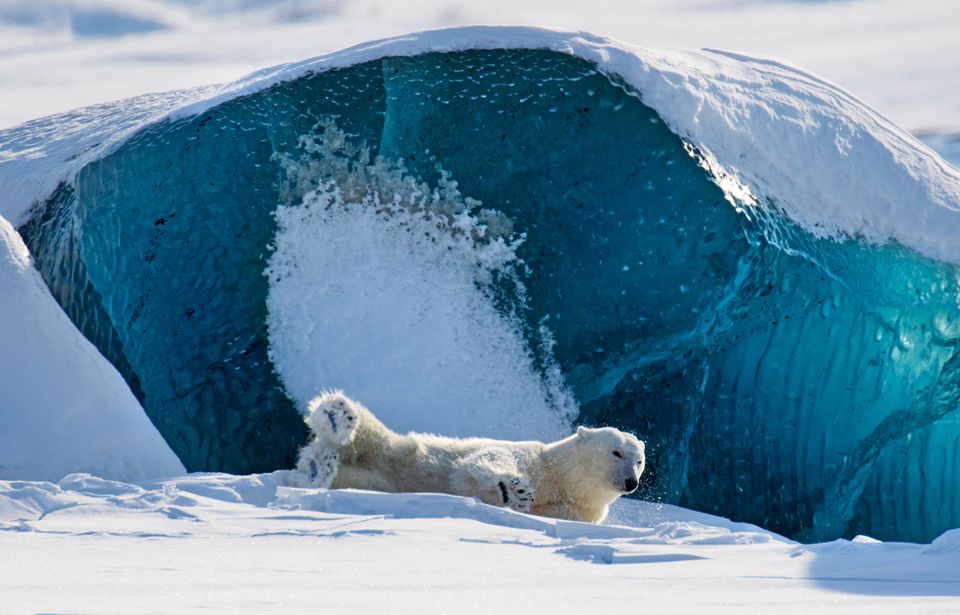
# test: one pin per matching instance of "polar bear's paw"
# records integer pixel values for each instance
(517, 493)
(332, 418)
(317, 466)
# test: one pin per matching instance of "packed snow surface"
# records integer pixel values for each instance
(63, 407)
(247, 543)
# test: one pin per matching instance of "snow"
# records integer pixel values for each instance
(408, 324)
(64, 408)
(247, 543)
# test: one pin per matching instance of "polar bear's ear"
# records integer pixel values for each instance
(581, 431)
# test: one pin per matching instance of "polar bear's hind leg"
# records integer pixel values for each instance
(517, 493)
(492, 476)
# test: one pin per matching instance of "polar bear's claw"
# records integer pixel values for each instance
(517, 493)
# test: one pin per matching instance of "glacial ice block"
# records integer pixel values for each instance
(804, 382)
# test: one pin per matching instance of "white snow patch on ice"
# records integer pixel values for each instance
(63, 407)
(383, 287)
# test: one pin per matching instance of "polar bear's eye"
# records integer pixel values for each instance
(617, 454)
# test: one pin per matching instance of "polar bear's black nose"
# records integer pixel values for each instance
(631, 485)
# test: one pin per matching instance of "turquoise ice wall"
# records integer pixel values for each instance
(808, 385)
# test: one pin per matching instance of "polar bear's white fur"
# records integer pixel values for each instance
(574, 478)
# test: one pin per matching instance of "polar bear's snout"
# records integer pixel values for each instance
(632, 461)
(630, 479)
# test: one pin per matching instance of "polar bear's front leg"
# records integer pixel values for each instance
(332, 418)
(317, 466)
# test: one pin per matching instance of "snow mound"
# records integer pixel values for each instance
(26, 505)
(948, 542)
(674, 528)
(63, 408)
(355, 548)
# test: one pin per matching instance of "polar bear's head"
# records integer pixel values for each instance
(612, 460)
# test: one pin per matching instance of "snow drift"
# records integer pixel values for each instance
(73, 542)
(63, 408)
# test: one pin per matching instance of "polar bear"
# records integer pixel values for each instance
(575, 478)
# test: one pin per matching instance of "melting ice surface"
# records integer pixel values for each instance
(499, 242)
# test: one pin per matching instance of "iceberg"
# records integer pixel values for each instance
(505, 231)
(64, 407)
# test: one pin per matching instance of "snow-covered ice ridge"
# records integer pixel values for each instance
(248, 543)
(830, 162)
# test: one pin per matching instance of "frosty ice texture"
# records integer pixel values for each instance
(805, 384)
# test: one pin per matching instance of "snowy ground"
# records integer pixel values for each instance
(226, 543)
